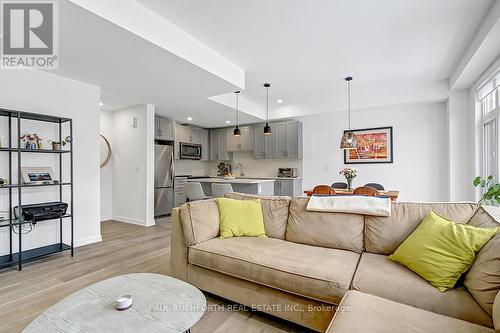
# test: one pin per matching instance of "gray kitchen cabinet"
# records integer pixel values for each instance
(263, 144)
(245, 142)
(179, 194)
(219, 144)
(204, 144)
(279, 134)
(164, 128)
(287, 139)
(291, 187)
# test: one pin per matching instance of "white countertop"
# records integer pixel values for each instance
(231, 181)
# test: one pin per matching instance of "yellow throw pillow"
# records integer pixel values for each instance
(440, 250)
(240, 218)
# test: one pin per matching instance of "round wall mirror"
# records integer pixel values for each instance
(105, 151)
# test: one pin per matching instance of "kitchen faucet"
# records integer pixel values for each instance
(240, 166)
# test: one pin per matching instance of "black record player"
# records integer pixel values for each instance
(42, 211)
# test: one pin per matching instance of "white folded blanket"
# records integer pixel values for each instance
(356, 204)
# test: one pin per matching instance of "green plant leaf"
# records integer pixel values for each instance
(477, 181)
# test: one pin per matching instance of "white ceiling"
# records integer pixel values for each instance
(304, 48)
(132, 71)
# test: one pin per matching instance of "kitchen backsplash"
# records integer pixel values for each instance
(251, 166)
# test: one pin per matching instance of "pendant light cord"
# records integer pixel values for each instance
(349, 102)
(237, 110)
(267, 104)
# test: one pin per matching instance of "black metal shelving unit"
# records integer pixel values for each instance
(22, 256)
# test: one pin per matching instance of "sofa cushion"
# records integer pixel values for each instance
(320, 273)
(200, 221)
(240, 218)
(334, 230)
(379, 276)
(361, 313)
(383, 235)
(274, 210)
(440, 251)
(483, 278)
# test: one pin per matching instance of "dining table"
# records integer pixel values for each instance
(393, 194)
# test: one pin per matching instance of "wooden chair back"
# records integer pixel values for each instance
(323, 189)
(365, 190)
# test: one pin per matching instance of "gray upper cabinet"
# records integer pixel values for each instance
(284, 142)
(219, 144)
(245, 142)
(263, 144)
(164, 128)
(204, 144)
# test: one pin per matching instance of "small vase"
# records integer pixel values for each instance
(56, 146)
(349, 184)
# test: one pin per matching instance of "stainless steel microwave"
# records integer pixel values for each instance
(190, 151)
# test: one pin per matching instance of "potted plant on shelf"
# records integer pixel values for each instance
(57, 145)
(491, 193)
(349, 174)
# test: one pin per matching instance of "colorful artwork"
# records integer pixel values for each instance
(374, 145)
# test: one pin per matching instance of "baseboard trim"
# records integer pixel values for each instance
(124, 219)
(106, 218)
(88, 240)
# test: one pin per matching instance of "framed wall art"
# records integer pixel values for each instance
(374, 145)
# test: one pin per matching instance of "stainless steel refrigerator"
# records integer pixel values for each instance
(164, 177)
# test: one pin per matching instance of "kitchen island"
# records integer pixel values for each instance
(241, 185)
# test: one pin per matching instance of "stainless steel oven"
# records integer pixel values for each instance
(190, 151)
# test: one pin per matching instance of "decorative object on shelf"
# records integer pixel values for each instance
(374, 145)
(267, 128)
(348, 140)
(223, 169)
(32, 141)
(237, 131)
(57, 145)
(4, 181)
(2, 141)
(107, 150)
(349, 174)
(38, 175)
(491, 195)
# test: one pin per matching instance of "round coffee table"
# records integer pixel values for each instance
(160, 304)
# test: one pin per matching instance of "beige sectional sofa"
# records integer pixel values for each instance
(311, 262)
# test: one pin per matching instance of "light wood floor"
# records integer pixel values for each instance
(125, 249)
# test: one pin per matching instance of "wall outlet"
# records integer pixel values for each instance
(134, 122)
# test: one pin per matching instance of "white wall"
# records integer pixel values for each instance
(107, 171)
(41, 92)
(133, 165)
(420, 165)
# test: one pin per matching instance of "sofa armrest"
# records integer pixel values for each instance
(496, 312)
(178, 248)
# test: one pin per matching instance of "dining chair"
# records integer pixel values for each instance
(376, 186)
(340, 185)
(368, 191)
(219, 190)
(194, 191)
(323, 189)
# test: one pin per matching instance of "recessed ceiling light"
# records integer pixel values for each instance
(228, 121)
(279, 101)
(101, 103)
(189, 118)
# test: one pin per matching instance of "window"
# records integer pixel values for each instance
(489, 105)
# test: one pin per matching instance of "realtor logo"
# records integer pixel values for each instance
(30, 34)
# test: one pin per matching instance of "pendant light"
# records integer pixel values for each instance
(237, 131)
(267, 128)
(348, 139)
